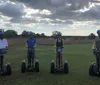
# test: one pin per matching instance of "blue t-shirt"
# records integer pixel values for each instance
(31, 42)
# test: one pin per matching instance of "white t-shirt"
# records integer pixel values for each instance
(3, 43)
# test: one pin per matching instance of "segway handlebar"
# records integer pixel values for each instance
(97, 49)
(31, 49)
(59, 47)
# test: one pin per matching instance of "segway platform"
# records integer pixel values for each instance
(7, 67)
(35, 68)
(93, 70)
(6, 70)
(63, 69)
(59, 68)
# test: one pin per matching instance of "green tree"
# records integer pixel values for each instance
(25, 33)
(43, 35)
(37, 35)
(92, 36)
(10, 33)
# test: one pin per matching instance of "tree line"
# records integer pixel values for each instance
(13, 34)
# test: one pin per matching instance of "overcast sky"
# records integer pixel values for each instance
(71, 17)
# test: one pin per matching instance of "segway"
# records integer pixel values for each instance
(94, 69)
(58, 68)
(6, 68)
(33, 67)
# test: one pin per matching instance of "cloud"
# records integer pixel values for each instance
(93, 13)
(42, 4)
(23, 20)
(12, 9)
(40, 15)
(52, 9)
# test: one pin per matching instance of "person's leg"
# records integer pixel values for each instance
(29, 58)
(96, 56)
(33, 57)
(97, 62)
(2, 62)
(61, 60)
(56, 58)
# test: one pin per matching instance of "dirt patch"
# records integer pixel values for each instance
(46, 41)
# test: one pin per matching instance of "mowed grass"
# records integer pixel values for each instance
(79, 58)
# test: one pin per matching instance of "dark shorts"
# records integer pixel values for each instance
(3, 51)
(57, 50)
(31, 53)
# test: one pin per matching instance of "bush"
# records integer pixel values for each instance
(10, 33)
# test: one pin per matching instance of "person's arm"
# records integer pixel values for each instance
(55, 43)
(6, 44)
(26, 44)
(63, 42)
(35, 43)
(94, 46)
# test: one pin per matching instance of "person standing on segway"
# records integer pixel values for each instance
(96, 50)
(59, 44)
(30, 44)
(3, 48)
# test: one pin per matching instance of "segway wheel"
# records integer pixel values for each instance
(37, 66)
(52, 67)
(91, 70)
(23, 67)
(66, 67)
(8, 69)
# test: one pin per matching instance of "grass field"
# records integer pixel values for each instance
(79, 58)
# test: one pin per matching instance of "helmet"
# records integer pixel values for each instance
(31, 33)
(59, 34)
(1, 33)
(98, 31)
